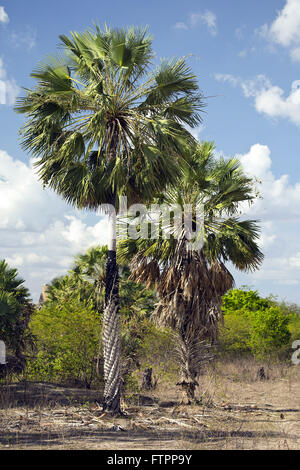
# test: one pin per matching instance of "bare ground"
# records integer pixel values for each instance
(235, 411)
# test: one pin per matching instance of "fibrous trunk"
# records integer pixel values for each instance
(111, 339)
(188, 364)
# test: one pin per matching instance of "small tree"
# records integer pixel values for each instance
(190, 283)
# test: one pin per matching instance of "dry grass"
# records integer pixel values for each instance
(236, 410)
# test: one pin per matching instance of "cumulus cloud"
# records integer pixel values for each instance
(277, 209)
(269, 99)
(207, 18)
(3, 15)
(9, 89)
(40, 234)
(280, 199)
(285, 29)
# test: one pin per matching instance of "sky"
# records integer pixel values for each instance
(246, 56)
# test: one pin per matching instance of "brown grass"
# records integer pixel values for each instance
(235, 410)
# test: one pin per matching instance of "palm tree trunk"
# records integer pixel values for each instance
(111, 338)
(186, 349)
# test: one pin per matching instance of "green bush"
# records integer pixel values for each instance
(255, 325)
(67, 343)
(269, 332)
(235, 333)
(243, 300)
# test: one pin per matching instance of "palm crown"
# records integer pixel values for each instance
(102, 123)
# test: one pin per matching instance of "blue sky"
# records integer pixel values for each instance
(246, 56)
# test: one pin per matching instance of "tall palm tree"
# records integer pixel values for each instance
(191, 282)
(104, 123)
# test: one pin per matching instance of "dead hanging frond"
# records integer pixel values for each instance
(144, 271)
(220, 277)
(188, 298)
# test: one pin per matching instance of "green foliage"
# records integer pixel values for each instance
(244, 300)
(235, 334)
(294, 326)
(269, 332)
(15, 309)
(67, 328)
(104, 119)
(255, 325)
(67, 342)
(65, 288)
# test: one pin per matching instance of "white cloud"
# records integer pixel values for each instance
(285, 29)
(280, 200)
(40, 234)
(227, 77)
(295, 260)
(257, 161)
(207, 18)
(3, 15)
(295, 54)
(269, 99)
(278, 213)
(180, 25)
(9, 89)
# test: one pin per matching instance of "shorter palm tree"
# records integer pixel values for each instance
(191, 283)
(15, 309)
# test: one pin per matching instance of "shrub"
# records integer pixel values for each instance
(294, 327)
(67, 343)
(235, 334)
(254, 325)
(269, 332)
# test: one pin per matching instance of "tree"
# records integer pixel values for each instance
(65, 288)
(15, 308)
(191, 282)
(103, 124)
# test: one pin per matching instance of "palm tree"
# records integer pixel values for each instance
(191, 283)
(64, 288)
(15, 308)
(104, 124)
(90, 266)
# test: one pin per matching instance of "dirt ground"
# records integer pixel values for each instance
(236, 410)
